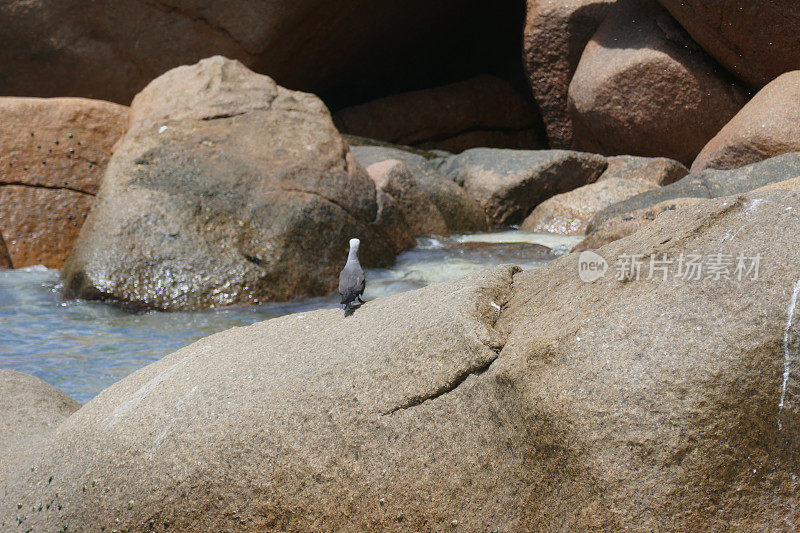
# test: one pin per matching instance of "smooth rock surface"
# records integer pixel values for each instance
(482, 111)
(643, 87)
(622, 225)
(710, 183)
(555, 34)
(197, 210)
(663, 404)
(30, 410)
(757, 41)
(510, 183)
(430, 202)
(569, 213)
(767, 126)
(53, 152)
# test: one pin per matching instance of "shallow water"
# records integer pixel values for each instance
(83, 347)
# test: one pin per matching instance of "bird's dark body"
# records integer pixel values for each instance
(351, 283)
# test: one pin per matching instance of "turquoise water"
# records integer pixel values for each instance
(83, 347)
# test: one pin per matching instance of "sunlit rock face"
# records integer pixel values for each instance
(226, 189)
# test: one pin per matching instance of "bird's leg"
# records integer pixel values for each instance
(359, 299)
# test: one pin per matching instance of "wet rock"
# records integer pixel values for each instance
(757, 41)
(430, 202)
(196, 210)
(53, 153)
(643, 87)
(569, 213)
(510, 183)
(710, 183)
(767, 126)
(622, 225)
(31, 410)
(482, 111)
(556, 32)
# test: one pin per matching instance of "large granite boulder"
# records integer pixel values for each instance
(510, 183)
(664, 404)
(482, 111)
(756, 40)
(31, 410)
(430, 202)
(503, 400)
(53, 152)
(226, 189)
(348, 48)
(643, 87)
(767, 126)
(555, 34)
(710, 183)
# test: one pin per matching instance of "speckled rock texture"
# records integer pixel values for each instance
(226, 189)
(510, 183)
(569, 213)
(53, 153)
(757, 40)
(29, 411)
(767, 126)
(643, 87)
(555, 34)
(479, 403)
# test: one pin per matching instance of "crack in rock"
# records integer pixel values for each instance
(49, 187)
(474, 370)
(447, 387)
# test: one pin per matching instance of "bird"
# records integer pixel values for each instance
(352, 280)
